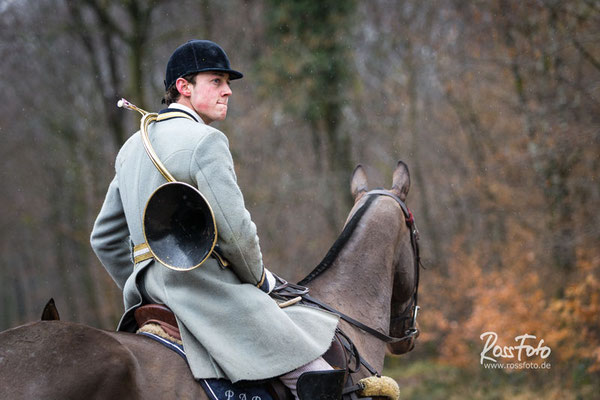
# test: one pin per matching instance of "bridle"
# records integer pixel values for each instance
(301, 290)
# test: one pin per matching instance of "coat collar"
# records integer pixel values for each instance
(185, 109)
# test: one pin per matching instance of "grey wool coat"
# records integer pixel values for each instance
(229, 327)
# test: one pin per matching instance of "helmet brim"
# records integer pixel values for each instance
(233, 74)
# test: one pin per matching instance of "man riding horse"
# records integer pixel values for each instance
(229, 325)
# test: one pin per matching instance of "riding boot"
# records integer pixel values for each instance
(321, 385)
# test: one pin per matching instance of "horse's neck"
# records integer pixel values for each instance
(360, 282)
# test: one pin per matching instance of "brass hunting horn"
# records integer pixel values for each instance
(179, 224)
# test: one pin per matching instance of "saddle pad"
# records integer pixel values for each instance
(177, 348)
(218, 389)
(222, 389)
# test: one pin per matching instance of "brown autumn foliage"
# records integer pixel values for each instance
(534, 266)
(513, 301)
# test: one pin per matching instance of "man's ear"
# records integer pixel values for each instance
(183, 87)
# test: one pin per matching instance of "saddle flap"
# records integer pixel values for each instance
(321, 385)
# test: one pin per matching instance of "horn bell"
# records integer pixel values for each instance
(179, 226)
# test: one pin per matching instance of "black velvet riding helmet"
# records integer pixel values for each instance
(198, 56)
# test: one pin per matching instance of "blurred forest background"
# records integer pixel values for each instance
(494, 105)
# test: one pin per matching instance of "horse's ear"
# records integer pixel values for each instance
(358, 183)
(50, 312)
(401, 180)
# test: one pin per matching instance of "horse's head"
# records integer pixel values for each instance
(405, 258)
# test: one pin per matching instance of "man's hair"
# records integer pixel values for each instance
(172, 94)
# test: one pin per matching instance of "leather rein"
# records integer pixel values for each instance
(302, 291)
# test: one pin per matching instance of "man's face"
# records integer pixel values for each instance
(209, 96)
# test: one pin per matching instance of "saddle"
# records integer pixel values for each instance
(153, 318)
(158, 319)
(160, 315)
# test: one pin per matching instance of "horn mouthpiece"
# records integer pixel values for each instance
(123, 103)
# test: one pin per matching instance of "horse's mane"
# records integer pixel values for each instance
(339, 244)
